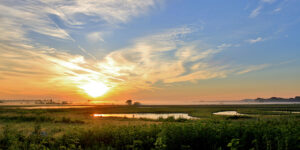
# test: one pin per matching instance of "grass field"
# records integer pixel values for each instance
(262, 127)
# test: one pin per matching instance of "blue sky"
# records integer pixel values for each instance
(139, 49)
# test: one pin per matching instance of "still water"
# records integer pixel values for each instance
(147, 115)
(228, 113)
(293, 112)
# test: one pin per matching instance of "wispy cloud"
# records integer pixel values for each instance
(255, 12)
(146, 61)
(21, 18)
(258, 39)
(24, 19)
(268, 1)
(199, 75)
(253, 68)
(111, 11)
(164, 57)
(95, 37)
(277, 10)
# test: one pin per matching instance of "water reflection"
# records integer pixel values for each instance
(147, 115)
(228, 113)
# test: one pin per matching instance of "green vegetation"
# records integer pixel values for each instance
(267, 127)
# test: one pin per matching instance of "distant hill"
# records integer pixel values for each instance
(274, 99)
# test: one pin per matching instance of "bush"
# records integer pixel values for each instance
(69, 120)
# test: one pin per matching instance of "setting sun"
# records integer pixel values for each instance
(95, 88)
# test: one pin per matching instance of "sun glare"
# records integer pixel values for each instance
(95, 88)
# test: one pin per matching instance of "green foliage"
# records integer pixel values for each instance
(210, 134)
(172, 119)
(69, 120)
(236, 117)
(234, 144)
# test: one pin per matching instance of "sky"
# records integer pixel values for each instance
(152, 51)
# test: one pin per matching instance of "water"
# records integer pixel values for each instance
(147, 115)
(228, 113)
(293, 112)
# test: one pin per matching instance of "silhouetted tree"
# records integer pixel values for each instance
(129, 102)
(136, 103)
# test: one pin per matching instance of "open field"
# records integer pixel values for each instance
(261, 127)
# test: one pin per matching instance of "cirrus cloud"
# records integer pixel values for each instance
(258, 39)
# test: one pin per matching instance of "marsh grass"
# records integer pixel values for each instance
(23, 118)
(210, 134)
(77, 129)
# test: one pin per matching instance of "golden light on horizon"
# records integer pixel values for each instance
(95, 88)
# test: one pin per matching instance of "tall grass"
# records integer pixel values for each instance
(265, 134)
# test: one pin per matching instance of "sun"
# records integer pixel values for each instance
(95, 88)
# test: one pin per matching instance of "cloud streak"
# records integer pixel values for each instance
(145, 63)
(21, 18)
(255, 12)
(111, 11)
(253, 68)
(258, 39)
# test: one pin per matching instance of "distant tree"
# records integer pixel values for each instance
(136, 103)
(64, 102)
(129, 102)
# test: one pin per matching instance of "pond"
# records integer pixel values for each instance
(228, 113)
(147, 115)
